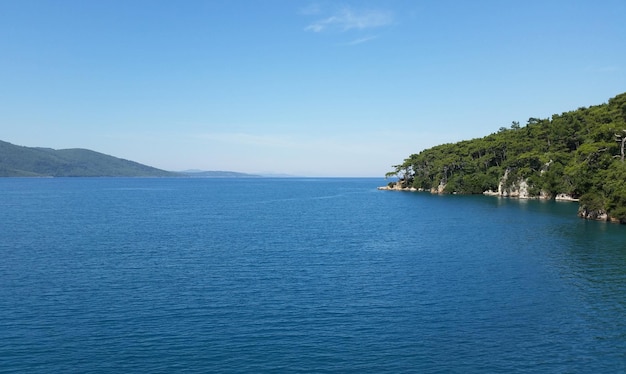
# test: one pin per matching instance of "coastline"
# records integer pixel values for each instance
(593, 215)
(559, 197)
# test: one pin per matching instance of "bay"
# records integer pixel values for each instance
(301, 275)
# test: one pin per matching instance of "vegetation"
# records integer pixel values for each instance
(580, 153)
(17, 161)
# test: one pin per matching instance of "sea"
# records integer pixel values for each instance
(301, 275)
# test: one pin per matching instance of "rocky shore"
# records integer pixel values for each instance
(397, 187)
(517, 190)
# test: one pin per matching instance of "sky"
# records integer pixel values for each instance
(307, 88)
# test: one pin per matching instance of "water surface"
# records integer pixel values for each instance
(302, 275)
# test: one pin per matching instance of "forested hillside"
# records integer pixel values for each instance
(18, 161)
(579, 153)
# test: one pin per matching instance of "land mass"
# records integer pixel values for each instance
(577, 155)
(216, 174)
(20, 161)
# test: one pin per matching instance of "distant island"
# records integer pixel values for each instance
(216, 174)
(20, 161)
(577, 156)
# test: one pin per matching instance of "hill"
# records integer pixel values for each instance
(19, 161)
(579, 154)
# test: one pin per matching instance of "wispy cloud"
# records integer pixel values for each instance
(347, 18)
(361, 40)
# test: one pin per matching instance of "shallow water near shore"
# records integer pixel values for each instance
(302, 275)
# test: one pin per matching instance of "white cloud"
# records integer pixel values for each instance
(351, 19)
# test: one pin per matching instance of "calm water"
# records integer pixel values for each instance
(302, 275)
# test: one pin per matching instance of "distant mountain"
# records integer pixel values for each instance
(19, 161)
(216, 174)
(279, 175)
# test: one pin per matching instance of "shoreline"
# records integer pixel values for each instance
(559, 197)
(600, 216)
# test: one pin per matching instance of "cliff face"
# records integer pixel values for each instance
(440, 189)
(506, 188)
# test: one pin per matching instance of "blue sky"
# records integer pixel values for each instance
(311, 88)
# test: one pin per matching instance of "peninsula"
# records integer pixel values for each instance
(577, 156)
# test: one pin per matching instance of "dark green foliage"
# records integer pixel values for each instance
(576, 153)
(17, 161)
(592, 201)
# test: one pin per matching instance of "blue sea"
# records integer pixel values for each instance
(158, 275)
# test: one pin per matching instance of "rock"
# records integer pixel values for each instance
(542, 196)
(396, 187)
(564, 197)
(439, 189)
(597, 215)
